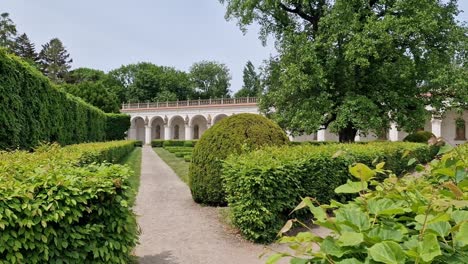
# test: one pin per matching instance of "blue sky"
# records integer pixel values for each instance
(105, 34)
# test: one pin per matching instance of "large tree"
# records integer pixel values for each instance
(55, 60)
(95, 93)
(7, 31)
(25, 49)
(252, 86)
(211, 79)
(356, 64)
(148, 82)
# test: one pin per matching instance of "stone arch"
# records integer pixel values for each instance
(137, 128)
(157, 127)
(218, 117)
(198, 124)
(177, 126)
(460, 129)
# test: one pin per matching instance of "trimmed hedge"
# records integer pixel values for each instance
(188, 158)
(419, 137)
(34, 110)
(234, 134)
(190, 143)
(264, 186)
(157, 143)
(116, 126)
(173, 143)
(53, 211)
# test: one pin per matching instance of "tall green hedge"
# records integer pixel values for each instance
(62, 205)
(34, 110)
(232, 135)
(264, 186)
(116, 126)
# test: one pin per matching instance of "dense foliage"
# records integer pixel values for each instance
(96, 94)
(354, 65)
(33, 110)
(263, 186)
(231, 135)
(55, 60)
(62, 205)
(401, 220)
(420, 137)
(252, 86)
(210, 79)
(117, 126)
(7, 31)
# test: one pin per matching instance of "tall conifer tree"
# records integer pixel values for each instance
(25, 49)
(55, 60)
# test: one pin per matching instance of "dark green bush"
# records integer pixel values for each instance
(138, 143)
(231, 135)
(173, 143)
(117, 126)
(33, 110)
(188, 158)
(190, 143)
(157, 143)
(419, 137)
(54, 211)
(264, 186)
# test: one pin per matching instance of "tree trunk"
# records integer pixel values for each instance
(347, 134)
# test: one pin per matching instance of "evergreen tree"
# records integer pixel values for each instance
(55, 60)
(7, 31)
(251, 86)
(25, 49)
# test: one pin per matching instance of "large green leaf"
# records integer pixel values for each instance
(362, 172)
(440, 228)
(351, 187)
(330, 247)
(349, 261)
(354, 218)
(384, 206)
(429, 248)
(462, 235)
(460, 216)
(350, 238)
(385, 233)
(387, 252)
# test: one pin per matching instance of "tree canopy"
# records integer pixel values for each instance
(252, 86)
(357, 65)
(7, 31)
(24, 48)
(55, 60)
(210, 79)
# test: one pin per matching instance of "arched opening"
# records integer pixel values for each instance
(157, 128)
(177, 125)
(196, 132)
(460, 129)
(199, 125)
(137, 129)
(218, 118)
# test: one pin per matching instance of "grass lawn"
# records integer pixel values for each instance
(133, 160)
(178, 165)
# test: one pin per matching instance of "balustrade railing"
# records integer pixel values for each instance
(196, 102)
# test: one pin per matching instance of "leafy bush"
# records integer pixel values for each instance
(111, 152)
(402, 220)
(138, 143)
(190, 143)
(419, 137)
(188, 158)
(231, 135)
(264, 186)
(173, 143)
(157, 143)
(33, 110)
(53, 211)
(116, 126)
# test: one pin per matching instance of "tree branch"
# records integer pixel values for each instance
(298, 10)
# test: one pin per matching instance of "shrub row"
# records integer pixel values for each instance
(34, 110)
(157, 143)
(264, 186)
(117, 126)
(54, 211)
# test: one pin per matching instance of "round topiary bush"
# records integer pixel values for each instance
(419, 137)
(231, 135)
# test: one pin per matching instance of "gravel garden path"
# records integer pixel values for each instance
(176, 230)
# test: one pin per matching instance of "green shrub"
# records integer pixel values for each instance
(188, 158)
(173, 143)
(419, 137)
(34, 110)
(54, 211)
(409, 220)
(116, 126)
(111, 152)
(157, 143)
(138, 143)
(233, 134)
(264, 186)
(190, 143)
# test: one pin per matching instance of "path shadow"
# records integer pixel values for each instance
(164, 257)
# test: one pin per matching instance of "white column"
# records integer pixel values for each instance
(188, 132)
(321, 134)
(357, 138)
(147, 135)
(167, 132)
(393, 133)
(436, 127)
